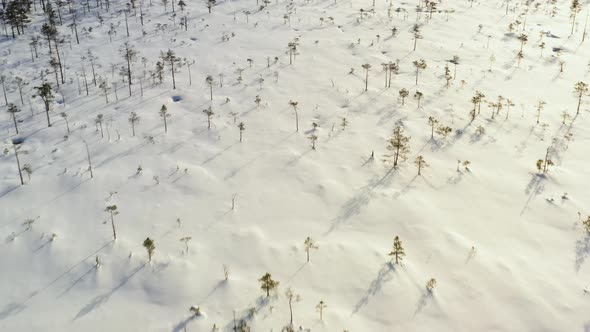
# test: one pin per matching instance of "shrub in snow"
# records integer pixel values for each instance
(430, 285)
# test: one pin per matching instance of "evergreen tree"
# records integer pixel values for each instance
(398, 251)
(398, 144)
(46, 94)
(165, 115)
(172, 59)
(150, 246)
(267, 284)
(13, 109)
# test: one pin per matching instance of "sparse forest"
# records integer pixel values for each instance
(293, 141)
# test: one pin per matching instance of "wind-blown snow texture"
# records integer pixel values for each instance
(529, 266)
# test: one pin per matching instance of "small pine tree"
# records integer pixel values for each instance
(313, 138)
(309, 244)
(420, 65)
(367, 67)
(418, 95)
(242, 127)
(398, 251)
(399, 145)
(112, 210)
(320, 308)
(580, 90)
(403, 93)
(420, 163)
(267, 284)
(150, 246)
(165, 115)
(133, 120)
(209, 113)
(543, 164)
(432, 122)
(13, 109)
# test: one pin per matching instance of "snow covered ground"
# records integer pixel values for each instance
(504, 243)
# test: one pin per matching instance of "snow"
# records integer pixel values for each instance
(506, 248)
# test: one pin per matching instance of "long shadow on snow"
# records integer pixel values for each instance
(582, 251)
(353, 206)
(16, 307)
(383, 276)
(101, 299)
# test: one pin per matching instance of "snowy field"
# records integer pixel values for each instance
(504, 240)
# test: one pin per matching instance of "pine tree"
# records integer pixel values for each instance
(172, 59)
(129, 54)
(403, 93)
(420, 163)
(420, 65)
(399, 145)
(165, 115)
(398, 251)
(575, 8)
(209, 113)
(367, 67)
(294, 105)
(586, 224)
(309, 244)
(13, 109)
(267, 284)
(112, 210)
(98, 121)
(432, 122)
(150, 246)
(210, 82)
(580, 90)
(133, 120)
(320, 308)
(242, 127)
(46, 94)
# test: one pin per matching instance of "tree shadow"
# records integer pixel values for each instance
(354, 205)
(383, 276)
(406, 188)
(423, 301)
(104, 298)
(93, 268)
(533, 188)
(582, 251)
(181, 326)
